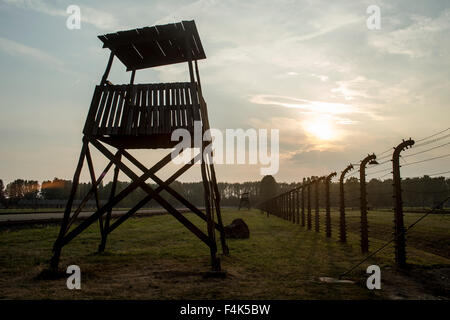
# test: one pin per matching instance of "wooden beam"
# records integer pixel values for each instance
(140, 181)
(87, 222)
(141, 203)
(102, 245)
(94, 185)
(164, 185)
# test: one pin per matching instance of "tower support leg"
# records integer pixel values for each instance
(101, 247)
(223, 241)
(58, 245)
(215, 262)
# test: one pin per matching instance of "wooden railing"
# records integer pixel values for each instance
(143, 109)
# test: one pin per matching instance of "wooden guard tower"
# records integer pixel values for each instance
(143, 116)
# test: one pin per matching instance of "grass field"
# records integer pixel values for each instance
(156, 258)
(432, 234)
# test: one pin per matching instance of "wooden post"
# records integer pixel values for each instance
(76, 177)
(309, 222)
(342, 227)
(293, 214)
(108, 68)
(102, 245)
(399, 228)
(327, 204)
(94, 185)
(303, 202)
(363, 202)
(317, 210)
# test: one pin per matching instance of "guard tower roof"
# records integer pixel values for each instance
(155, 46)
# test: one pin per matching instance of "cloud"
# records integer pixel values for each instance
(14, 48)
(304, 105)
(416, 40)
(98, 18)
(320, 158)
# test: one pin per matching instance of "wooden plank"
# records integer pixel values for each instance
(162, 100)
(113, 112)
(98, 117)
(90, 120)
(189, 110)
(195, 101)
(154, 126)
(144, 109)
(150, 110)
(126, 111)
(109, 101)
(138, 110)
(119, 110)
(167, 109)
(179, 107)
(173, 104)
(159, 102)
(183, 103)
(132, 110)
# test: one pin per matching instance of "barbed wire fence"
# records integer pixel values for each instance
(301, 203)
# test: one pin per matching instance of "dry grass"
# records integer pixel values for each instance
(156, 258)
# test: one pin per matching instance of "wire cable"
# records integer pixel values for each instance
(431, 141)
(423, 151)
(394, 238)
(433, 135)
(429, 159)
(377, 165)
(379, 171)
(381, 153)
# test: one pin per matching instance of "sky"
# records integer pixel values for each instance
(334, 89)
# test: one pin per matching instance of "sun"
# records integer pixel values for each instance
(321, 129)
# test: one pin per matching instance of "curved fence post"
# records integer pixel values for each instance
(399, 228)
(308, 222)
(362, 184)
(342, 227)
(317, 210)
(327, 204)
(303, 202)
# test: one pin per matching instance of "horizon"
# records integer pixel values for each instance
(336, 90)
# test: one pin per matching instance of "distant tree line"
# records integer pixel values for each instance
(423, 192)
(23, 193)
(417, 192)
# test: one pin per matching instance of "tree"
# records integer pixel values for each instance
(56, 190)
(22, 189)
(2, 193)
(268, 188)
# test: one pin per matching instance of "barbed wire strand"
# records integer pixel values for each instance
(426, 160)
(423, 151)
(394, 238)
(433, 135)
